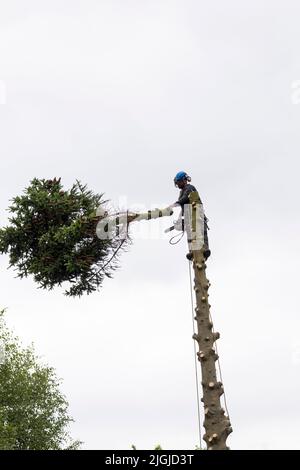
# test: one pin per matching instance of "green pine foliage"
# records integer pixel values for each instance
(52, 236)
(33, 411)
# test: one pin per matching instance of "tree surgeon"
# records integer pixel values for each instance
(182, 181)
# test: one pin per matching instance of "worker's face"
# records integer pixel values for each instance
(181, 184)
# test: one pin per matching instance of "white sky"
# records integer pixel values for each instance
(122, 95)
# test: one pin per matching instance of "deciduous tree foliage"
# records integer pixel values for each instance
(33, 411)
(52, 236)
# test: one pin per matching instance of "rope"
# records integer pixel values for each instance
(176, 236)
(219, 368)
(114, 254)
(110, 259)
(195, 360)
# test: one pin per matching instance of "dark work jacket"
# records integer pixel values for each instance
(184, 195)
(184, 199)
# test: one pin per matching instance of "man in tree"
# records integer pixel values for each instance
(182, 181)
(33, 411)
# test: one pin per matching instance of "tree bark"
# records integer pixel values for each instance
(216, 423)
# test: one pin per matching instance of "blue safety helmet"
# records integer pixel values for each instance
(180, 176)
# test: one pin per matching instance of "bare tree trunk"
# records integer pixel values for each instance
(216, 423)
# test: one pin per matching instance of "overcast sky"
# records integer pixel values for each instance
(122, 94)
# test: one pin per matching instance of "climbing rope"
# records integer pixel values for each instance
(195, 359)
(219, 368)
(176, 236)
(114, 254)
(102, 268)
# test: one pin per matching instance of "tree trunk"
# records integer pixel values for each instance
(216, 423)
